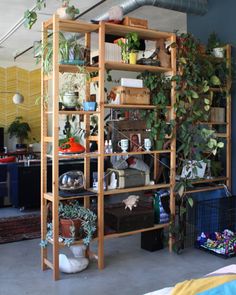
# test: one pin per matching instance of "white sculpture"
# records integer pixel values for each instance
(131, 202)
(73, 265)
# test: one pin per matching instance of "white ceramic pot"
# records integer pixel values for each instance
(70, 99)
(61, 12)
(218, 52)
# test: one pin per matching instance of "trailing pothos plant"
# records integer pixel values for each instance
(157, 119)
(195, 142)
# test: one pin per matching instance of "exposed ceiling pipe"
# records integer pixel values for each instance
(199, 7)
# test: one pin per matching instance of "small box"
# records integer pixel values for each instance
(135, 22)
(124, 220)
(152, 240)
(136, 83)
(132, 95)
(128, 177)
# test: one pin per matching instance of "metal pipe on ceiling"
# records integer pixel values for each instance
(199, 7)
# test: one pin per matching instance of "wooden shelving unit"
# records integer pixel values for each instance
(226, 136)
(56, 25)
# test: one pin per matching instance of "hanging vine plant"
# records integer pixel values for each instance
(158, 123)
(195, 142)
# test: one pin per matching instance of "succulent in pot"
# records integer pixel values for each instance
(78, 221)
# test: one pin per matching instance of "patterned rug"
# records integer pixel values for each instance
(13, 229)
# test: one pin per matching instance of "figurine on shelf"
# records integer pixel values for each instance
(131, 202)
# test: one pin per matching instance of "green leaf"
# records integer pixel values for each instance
(207, 108)
(181, 190)
(215, 81)
(182, 211)
(194, 94)
(207, 101)
(190, 201)
(220, 145)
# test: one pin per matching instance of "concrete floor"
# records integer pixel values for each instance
(12, 212)
(129, 270)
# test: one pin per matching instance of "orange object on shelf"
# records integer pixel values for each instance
(71, 147)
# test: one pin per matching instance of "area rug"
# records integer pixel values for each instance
(13, 229)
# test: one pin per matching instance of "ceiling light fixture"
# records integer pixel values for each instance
(17, 98)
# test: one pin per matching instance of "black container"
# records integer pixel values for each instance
(124, 220)
(152, 240)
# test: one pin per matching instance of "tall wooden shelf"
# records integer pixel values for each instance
(55, 25)
(219, 182)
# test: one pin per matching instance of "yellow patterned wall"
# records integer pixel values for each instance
(27, 83)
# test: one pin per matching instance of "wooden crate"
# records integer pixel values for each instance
(124, 220)
(132, 95)
(118, 130)
(135, 22)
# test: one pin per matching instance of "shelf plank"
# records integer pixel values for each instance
(123, 234)
(49, 197)
(73, 26)
(77, 156)
(215, 179)
(116, 235)
(75, 69)
(134, 189)
(48, 263)
(79, 112)
(205, 189)
(132, 106)
(48, 139)
(112, 65)
(213, 123)
(218, 89)
(138, 153)
(146, 34)
(223, 135)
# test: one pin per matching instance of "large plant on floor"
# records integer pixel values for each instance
(195, 142)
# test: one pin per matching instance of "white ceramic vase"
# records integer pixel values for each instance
(61, 12)
(218, 52)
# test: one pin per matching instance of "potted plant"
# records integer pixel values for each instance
(70, 52)
(65, 12)
(77, 222)
(129, 46)
(214, 46)
(73, 85)
(20, 130)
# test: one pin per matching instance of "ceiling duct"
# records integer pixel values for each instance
(189, 6)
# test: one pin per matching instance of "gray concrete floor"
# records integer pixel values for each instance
(12, 212)
(129, 270)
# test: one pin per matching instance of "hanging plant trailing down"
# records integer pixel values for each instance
(157, 119)
(74, 211)
(193, 102)
(32, 16)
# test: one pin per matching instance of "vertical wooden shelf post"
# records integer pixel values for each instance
(228, 118)
(101, 146)
(55, 160)
(43, 185)
(173, 141)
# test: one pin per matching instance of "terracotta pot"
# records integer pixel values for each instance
(66, 224)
